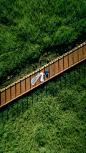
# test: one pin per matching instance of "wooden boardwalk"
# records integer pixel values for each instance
(57, 66)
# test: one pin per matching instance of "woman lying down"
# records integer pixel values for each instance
(33, 80)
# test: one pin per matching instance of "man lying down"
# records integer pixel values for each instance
(33, 80)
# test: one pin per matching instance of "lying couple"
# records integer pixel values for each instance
(33, 81)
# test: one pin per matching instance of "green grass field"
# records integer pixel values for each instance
(50, 119)
(29, 28)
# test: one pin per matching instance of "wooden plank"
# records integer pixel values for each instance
(84, 51)
(75, 56)
(71, 59)
(80, 53)
(56, 66)
(7, 94)
(27, 83)
(22, 86)
(65, 62)
(51, 69)
(12, 92)
(60, 64)
(17, 89)
(2, 97)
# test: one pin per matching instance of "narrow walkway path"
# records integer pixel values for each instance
(54, 68)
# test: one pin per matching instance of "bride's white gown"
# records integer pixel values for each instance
(33, 80)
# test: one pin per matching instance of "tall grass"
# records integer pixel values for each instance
(49, 119)
(29, 27)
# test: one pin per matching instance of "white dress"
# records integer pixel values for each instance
(41, 74)
(33, 80)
